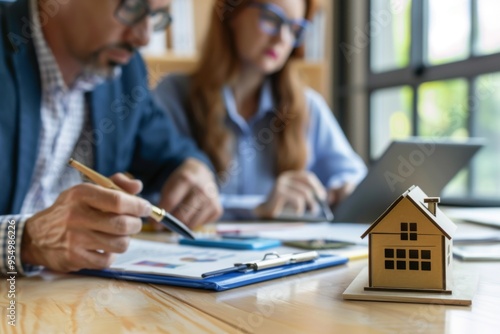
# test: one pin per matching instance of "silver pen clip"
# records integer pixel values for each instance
(266, 262)
(273, 259)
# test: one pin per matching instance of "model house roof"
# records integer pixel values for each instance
(416, 196)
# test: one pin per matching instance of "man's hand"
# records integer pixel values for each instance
(191, 194)
(295, 190)
(84, 227)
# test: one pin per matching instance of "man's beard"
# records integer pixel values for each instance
(109, 71)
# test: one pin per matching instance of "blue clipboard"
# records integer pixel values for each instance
(226, 281)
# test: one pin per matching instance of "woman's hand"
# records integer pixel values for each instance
(336, 195)
(297, 191)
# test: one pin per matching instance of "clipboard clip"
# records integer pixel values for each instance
(269, 260)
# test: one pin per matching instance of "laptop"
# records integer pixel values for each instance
(427, 163)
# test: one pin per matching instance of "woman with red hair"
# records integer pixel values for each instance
(269, 137)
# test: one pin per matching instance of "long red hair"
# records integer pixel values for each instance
(219, 66)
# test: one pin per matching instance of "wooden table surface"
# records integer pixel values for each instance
(306, 303)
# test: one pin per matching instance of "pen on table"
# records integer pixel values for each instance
(158, 214)
(279, 260)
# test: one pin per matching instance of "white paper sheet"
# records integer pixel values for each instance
(175, 260)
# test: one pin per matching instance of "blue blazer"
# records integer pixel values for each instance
(129, 132)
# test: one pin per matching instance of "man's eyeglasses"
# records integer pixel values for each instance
(130, 12)
(272, 18)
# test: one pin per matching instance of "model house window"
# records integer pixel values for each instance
(408, 231)
(411, 259)
(426, 266)
(426, 254)
(401, 259)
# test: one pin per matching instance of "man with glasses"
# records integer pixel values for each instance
(73, 85)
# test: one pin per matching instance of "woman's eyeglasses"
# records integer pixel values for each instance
(130, 12)
(272, 18)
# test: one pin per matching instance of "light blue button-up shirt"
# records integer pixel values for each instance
(250, 176)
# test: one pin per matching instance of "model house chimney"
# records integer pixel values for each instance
(432, 204)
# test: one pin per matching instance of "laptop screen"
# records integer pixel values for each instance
(427, 163)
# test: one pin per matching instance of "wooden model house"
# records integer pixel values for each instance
(410, 246)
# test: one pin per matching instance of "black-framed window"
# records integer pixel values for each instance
(411, 259)
(433, 70)
(408, 233)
